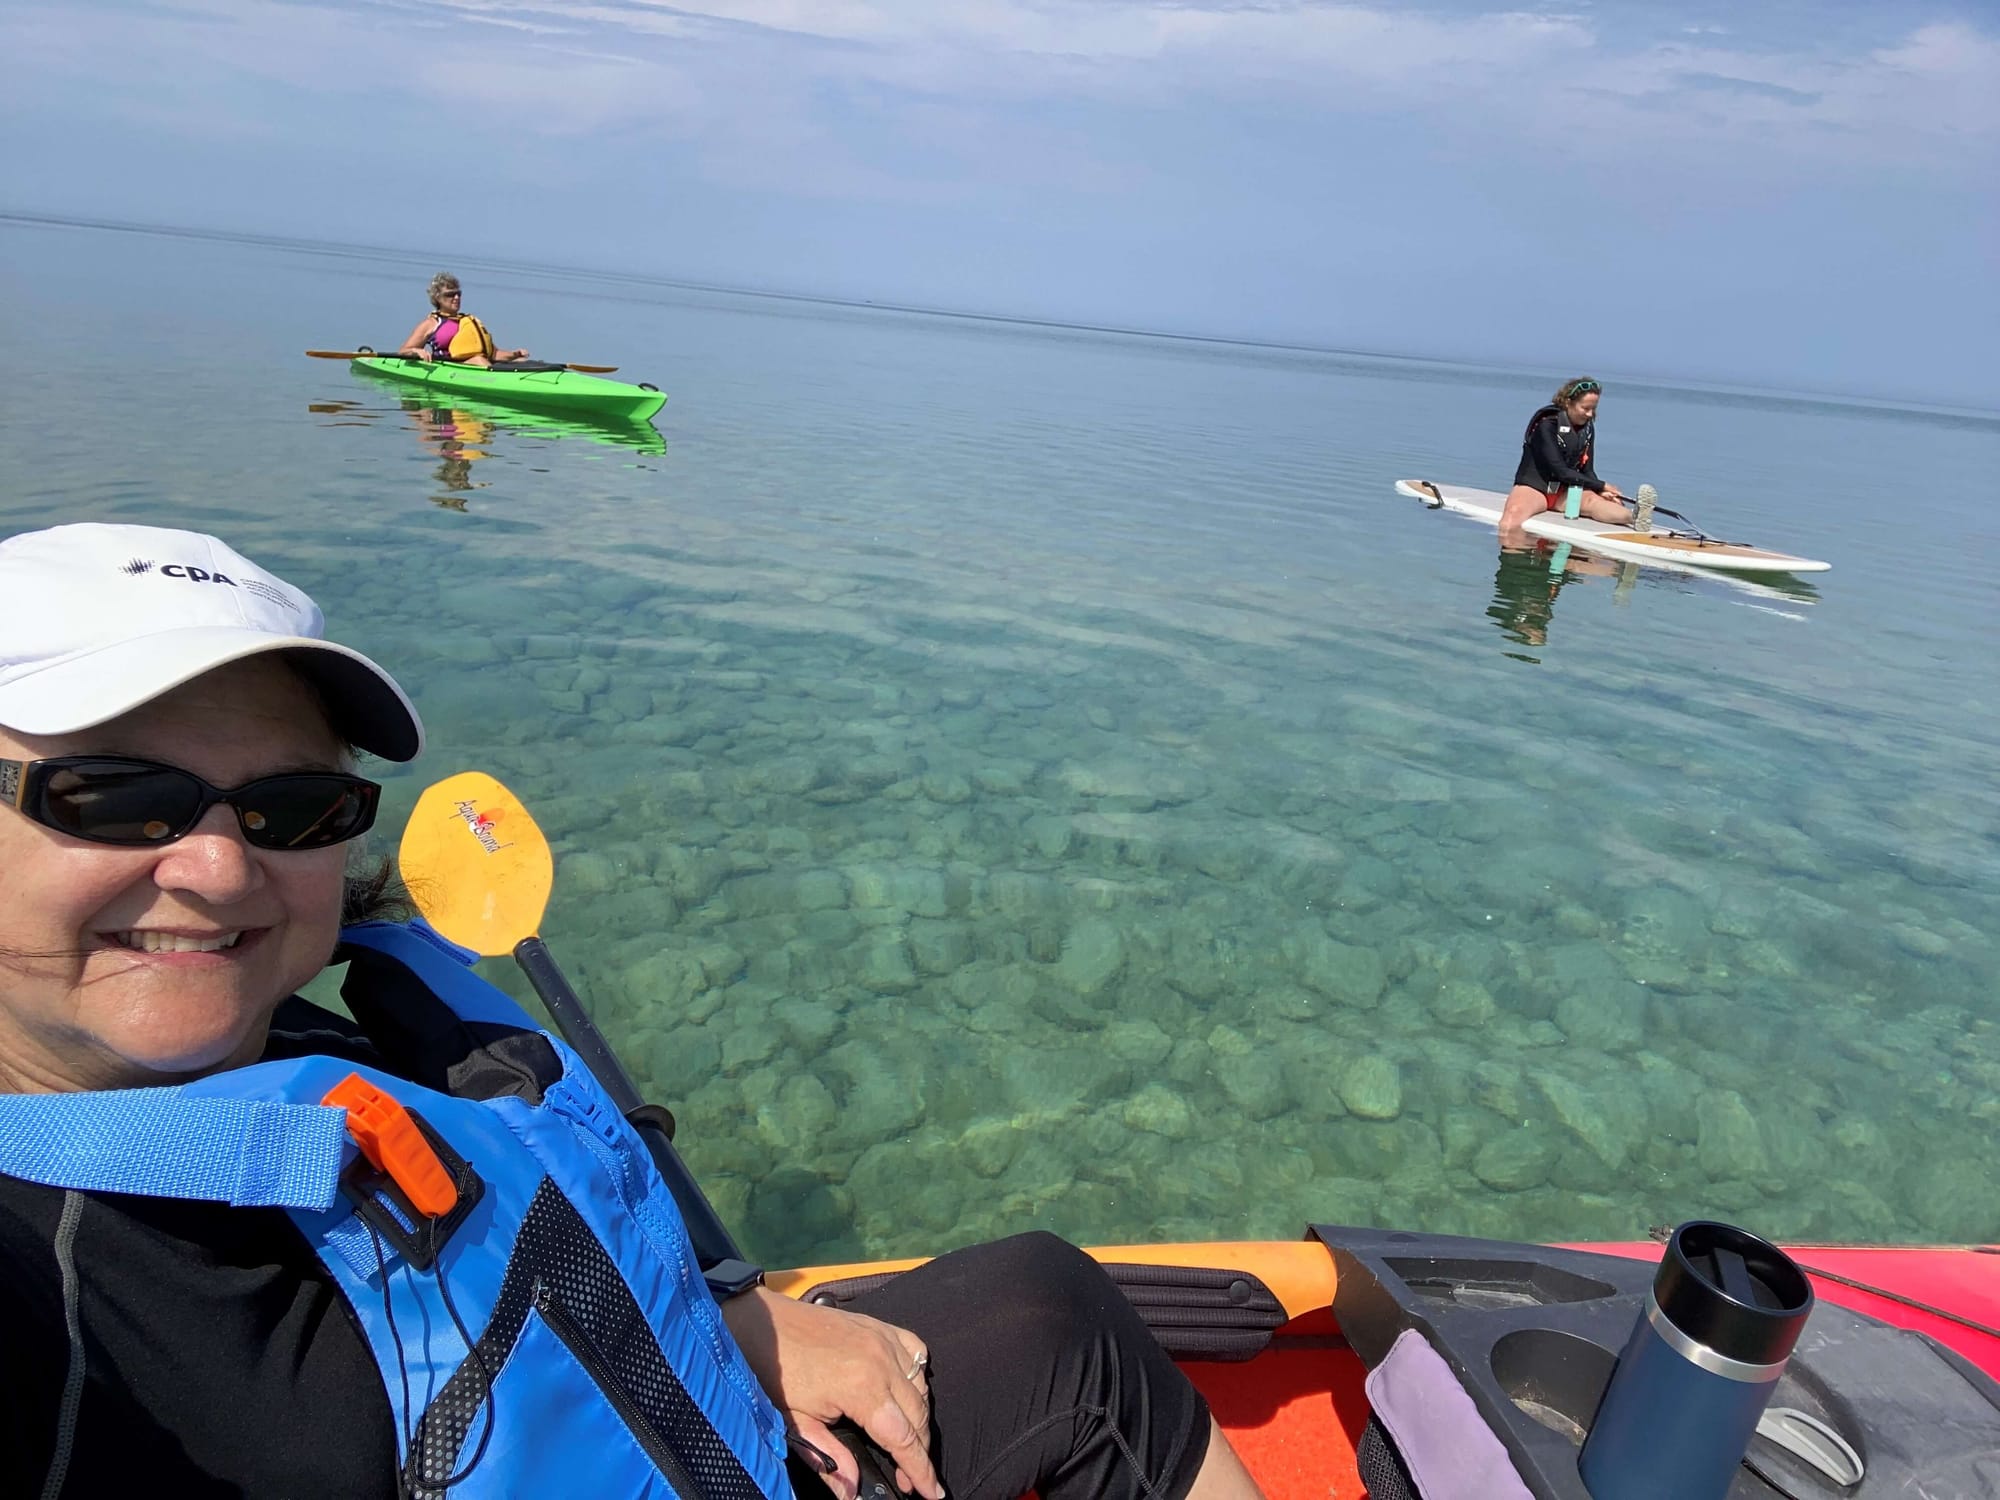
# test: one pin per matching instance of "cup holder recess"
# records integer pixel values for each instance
(1495, 1284)
(1558, 1379)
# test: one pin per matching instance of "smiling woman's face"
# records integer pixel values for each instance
(122, 967)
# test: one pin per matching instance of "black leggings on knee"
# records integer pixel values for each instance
(1042, 1378)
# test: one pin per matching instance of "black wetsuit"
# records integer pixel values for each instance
(1556, 454)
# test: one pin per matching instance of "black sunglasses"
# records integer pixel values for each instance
(110, 799)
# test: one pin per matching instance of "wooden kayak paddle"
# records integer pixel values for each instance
(372, 354)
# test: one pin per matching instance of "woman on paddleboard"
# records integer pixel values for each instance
(252, 1246)
(449, 334)
(1558, 453)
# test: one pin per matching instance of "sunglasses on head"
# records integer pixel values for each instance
(111, 799)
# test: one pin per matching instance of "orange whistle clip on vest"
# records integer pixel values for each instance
(390, 1139)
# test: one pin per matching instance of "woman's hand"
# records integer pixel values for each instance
(818, 1364)
(1612, 492)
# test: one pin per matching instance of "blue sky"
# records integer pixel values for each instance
(1805, 196)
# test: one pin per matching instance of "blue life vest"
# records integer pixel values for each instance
(599, 1364)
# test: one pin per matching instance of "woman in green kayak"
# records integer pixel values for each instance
(251, 1246)
(449, 334)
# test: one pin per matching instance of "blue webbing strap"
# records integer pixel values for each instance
(350, 1237)
(163, 1143)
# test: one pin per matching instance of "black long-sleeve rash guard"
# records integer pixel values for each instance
(1554, 453)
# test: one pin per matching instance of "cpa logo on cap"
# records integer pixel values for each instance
(188, 571)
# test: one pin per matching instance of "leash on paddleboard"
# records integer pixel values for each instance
(1692, 533)
(479, 870)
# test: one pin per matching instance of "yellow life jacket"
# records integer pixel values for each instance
(471, 338)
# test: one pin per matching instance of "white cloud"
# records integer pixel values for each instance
(804, 93)
(1942, 77)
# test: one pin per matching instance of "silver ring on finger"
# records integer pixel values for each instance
(917, 1364)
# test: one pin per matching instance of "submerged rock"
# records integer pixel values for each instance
(1608, 1019)
(1354, 976)
(1516, 1160)
(940, 947)
(1092, 955)
(1728, 1141)
(1254, 1084)
(885, 965)
(1138, 1041)
(1160, 1110)
(1372, 1087)
(589, 873)
(1610, 1120)
(1954, 1197)
(1463, 1002)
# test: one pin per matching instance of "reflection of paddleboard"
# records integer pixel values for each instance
(1672, 548)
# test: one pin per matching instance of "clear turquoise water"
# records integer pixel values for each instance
(1009, 776)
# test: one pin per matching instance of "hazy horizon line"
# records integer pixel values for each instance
(358, 250)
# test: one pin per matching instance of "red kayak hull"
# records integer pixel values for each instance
(1961, 1284)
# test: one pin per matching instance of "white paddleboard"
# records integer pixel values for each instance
(1667, 548)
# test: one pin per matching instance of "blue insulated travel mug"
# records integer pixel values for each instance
(1705, 1355)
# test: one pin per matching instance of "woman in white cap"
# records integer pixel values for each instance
(250, 1247)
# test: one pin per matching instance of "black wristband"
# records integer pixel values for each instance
(731, 1278)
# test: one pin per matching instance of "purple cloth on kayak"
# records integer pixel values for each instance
(1449, 1450)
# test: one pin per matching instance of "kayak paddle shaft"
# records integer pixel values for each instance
(711, 1238)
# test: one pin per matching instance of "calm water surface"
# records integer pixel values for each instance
(1006, 776)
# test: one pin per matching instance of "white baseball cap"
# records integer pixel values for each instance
(96, 620)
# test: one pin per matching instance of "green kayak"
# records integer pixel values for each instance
(441, 410)
(544, 387)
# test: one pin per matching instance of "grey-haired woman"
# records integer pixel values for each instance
(448, 333)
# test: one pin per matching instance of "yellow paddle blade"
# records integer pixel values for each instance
(476, 865)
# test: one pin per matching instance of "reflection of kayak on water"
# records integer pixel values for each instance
(639, 436)
(1684, 549)
(1897, 1360)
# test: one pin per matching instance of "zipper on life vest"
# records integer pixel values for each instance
(579, 1343)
